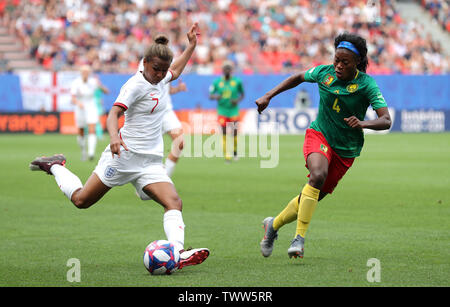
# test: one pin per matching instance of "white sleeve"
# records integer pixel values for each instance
(168, 77)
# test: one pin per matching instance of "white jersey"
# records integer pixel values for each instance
(84, 91)
(144, 105)
(166, 87)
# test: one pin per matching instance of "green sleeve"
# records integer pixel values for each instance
(313, 74)
(375, 96)
(240, 87)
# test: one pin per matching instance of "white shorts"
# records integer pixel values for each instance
(86, 116)
(170, 121)
(139, 169)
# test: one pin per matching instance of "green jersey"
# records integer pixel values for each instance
(342, 99)
(228, 90)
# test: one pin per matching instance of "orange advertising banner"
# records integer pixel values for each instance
(37, 123)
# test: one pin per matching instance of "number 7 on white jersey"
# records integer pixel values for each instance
(157, 101)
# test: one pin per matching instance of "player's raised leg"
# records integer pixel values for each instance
(81, 196)
(166, 195)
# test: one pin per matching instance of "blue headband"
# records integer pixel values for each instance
(349, 46)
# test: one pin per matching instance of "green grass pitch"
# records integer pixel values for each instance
(393, 205)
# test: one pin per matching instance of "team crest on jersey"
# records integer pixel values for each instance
(110, 172)
(328, 80)
(323, 148)
(351, 88)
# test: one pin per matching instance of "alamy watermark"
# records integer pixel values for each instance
(374, 273)
(74, 273)
(264, 145)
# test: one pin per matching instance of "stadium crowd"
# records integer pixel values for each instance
(260, 36)
(440, 11)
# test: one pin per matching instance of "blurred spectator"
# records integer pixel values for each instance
(259, 36)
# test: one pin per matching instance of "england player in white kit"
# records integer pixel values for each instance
(135, 152)
(86, 112)
(171, 124)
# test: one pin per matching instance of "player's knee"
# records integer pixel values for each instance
(317, 178)
(80, 202)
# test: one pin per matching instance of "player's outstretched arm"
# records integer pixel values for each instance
(180, 62)
(285, 85)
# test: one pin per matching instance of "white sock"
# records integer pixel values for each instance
(66, 180)
(170, 167)
(174, 228)
(82, 144)
(92, 142)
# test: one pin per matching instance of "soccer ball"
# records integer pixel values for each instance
(161, 257)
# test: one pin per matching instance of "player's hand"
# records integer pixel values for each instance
(262, 103)
(354, 122)
(193, 33)
(115, 146)
(182, 86)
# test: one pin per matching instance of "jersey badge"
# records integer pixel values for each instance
(110, 172)
(351, 88)
(323, 148)
(328, 80)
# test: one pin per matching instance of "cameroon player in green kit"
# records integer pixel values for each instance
(335, 138)
(228, 91)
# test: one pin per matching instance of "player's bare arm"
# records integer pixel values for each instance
(181, 87)
(285, 85)
(382, 122)
(179, 63)
(104, 89)
(112, 125)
